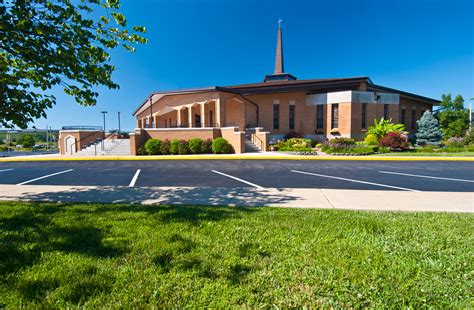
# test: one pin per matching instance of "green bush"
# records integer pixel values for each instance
(221, 146)
(351, 150)
(469, 138)
(183, 147)
(174, 145)
(195, 145)
(293, 144)
(383, 127)
(165, 147)
(152, 146)
(371, 139)
(141, 151)
(27, 141)
(206, 147)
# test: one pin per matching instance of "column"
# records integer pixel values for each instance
(220, 116)
(178, 118)
(190, 116)
(203, 114)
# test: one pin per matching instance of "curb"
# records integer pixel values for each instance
(240, 157)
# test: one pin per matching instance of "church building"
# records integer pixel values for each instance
(280, 105)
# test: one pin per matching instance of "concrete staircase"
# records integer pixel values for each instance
(111, 147)
(250, 147)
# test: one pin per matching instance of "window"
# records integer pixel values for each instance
(413, 119)
(364, 115)
(292, 116)
(146, 123)
(276, 115)
(319, 116)
(335, 115)
(385, 111)
(403, 116)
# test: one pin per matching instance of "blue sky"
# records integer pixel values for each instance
(420, 46)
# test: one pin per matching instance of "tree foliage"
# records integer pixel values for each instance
(427, 130)
(57, 43)
(453, 117)
(381, 128)
(27, 141)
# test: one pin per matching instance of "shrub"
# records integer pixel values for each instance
(383, 127)
(27, 141)
(351, 150)
(183, 147)
(141, 151)
(206, 147)
(221, 146)
(428, 130)
(195, 145)
(293, 144)
(174, 145)
(469, 138)
(371, 139)
(395, 141)
(454, 142)
(165, 147)
(152, 146)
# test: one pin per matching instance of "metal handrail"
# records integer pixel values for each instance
(253, 136)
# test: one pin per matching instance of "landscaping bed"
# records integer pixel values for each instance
(110, 255)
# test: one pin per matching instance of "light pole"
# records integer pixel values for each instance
(470, 113)
(118, 123)
(103, 116)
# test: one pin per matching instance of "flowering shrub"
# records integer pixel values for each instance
(293, 144)
(371, 139)
(395, 141)
(454, 142)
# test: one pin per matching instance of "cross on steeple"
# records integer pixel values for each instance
(279, 22)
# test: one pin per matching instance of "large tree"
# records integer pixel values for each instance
(57, 43)
(453, 117)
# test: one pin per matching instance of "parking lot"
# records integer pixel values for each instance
(371, 175)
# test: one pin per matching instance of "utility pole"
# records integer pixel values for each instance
(118, 123)
(47, 138)
(470, 113)
(103, 114)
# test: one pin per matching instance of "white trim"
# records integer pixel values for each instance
(292, 102)
(276, 101)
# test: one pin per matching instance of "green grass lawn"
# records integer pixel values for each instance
(458, 154)
(68, 255)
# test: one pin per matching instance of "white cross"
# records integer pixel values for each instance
(279, 22)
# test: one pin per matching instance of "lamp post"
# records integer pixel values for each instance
(118, 124)
(103, 115)
(470, 113)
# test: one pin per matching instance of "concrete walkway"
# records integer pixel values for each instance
(248, 196)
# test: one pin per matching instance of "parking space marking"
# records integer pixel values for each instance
(4, 170)
(134, 179)
(426, 176)
(237, 179)
(356, 181)
(46, 176)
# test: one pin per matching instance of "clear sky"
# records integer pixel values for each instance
(420, 46)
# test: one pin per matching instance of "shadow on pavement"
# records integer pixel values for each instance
(242, 196)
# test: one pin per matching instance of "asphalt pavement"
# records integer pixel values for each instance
(433, 176)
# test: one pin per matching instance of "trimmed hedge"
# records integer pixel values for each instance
(152, 146)
(174, 145)
(183, 147)
(221, 146)
(195, 145)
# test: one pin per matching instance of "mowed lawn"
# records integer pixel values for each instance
(60, 255)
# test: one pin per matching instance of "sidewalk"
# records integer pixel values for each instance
(247, 196)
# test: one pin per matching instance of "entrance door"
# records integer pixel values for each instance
(70, 145)
(197, 120)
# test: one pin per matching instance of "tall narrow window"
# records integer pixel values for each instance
(276, 115)
(413, 119)
(364, 115)
(146, 123)
(403, 115)
(292, 116)
(386, 115)
(319, 116)
(335, 115)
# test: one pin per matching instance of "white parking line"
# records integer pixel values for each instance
(356, 181)
(240, 180)
(46, 176)
(134, 179)
(6, 170)
(426, 176)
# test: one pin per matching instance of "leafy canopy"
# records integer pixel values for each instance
(453, 117)
(381, 128)
(61, 43)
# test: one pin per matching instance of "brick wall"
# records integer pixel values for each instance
(83, 137)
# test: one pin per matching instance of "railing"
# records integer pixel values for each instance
(183, 125)
(257, 141)
(96, 128)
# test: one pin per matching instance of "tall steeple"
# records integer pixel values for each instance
(279, 72)
(279, 66)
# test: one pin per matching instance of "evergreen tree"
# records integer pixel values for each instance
(428, 130)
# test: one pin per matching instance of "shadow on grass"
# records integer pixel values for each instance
(33, 231)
